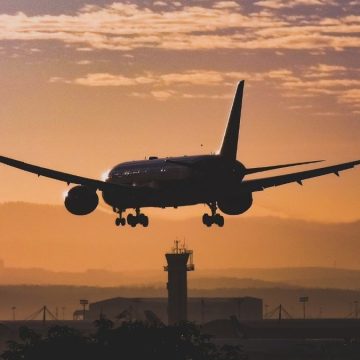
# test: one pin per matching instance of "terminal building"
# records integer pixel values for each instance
(200, 310)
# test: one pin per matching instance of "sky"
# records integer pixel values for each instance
(88, 84)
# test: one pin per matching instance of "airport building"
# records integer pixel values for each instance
(200, 310)
(177, 306)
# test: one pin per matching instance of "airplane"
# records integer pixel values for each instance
(216, 180)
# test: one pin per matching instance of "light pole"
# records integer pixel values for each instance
(304, 300)
(84, 302)
(13, 313)
(356, 303)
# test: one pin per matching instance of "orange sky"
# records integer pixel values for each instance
(88, 85)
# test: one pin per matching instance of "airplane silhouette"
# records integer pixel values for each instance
(215, 180)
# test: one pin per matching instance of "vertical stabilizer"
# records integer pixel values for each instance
(230, 141)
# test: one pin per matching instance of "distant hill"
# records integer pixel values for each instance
(316, 277)
(33, 276)
(224, 282)
(35, 237)
(201, 279)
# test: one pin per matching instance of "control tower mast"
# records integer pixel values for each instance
(180, 261)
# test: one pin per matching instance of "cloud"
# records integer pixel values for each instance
(84, 62)
(187, 78)
(160, 3)
(279, 4)
(226, 5)
(313, 85)
(195, 84)
(207, 78)
(327, 68)
(224, 25)
(105, 79)
(324, 70)
(184, 84)
(161, 95)
(325, 113)
(351, 97)
(324, 80)
(193, 78)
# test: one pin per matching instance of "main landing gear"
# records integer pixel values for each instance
(131, 219)
(214, 218)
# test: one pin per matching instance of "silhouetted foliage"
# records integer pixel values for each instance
(130, 341)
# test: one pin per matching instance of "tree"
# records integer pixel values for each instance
(130, 341)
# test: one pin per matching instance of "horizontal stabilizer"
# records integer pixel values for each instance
(274, 167)
(264, 183)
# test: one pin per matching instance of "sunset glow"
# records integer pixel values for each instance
(86, 85)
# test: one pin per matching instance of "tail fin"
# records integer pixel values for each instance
(230, 142)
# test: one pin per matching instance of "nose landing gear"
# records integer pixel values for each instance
(214, 218)
(120, 221)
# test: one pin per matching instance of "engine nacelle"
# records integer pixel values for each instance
(81, 200)
(236, 205)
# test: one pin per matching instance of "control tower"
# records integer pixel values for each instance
(180, 261)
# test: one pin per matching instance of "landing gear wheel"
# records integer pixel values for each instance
(136, 219)
(207, 220)
(146, 222)
(143, 220)
(132, 220)
(219, 220)
(214, 218)
(120, 221)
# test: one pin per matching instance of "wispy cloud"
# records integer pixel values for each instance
(106, 79)
(160, 3)
(324, 70)
(351, 97)
(226, 5)
(324, 80)
(186, 84)
(84, 62)
(279, 4)
(224, 24)
(190, 77)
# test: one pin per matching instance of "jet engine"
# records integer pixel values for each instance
(236, 205)
(81, 200)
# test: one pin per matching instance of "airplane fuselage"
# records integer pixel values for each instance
(175, 181)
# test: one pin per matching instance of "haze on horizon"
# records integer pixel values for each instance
(51, 238)
(91, 83)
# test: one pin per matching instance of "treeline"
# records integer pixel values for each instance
(131, 340)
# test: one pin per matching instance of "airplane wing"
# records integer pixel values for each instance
(262, 184)
(62, 176)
